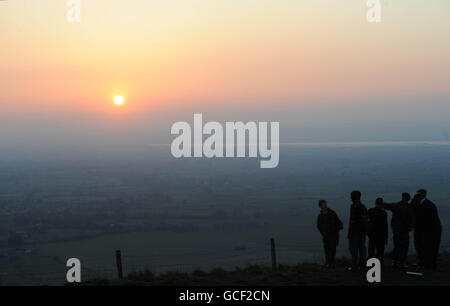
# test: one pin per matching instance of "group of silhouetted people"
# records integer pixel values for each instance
(418, 214)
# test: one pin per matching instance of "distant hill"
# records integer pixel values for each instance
(300, 274)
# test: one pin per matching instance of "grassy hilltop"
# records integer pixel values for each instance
(300, 274)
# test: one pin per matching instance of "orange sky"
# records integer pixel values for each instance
(167, 55)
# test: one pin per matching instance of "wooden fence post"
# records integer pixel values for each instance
(119, 264)
(273, 254)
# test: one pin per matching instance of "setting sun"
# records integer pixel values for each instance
(118, 100)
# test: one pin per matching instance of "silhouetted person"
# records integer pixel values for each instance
(357, 230)
(428, 230)
(402, 223)
(417, 233)
(378, 230)
(329, 226)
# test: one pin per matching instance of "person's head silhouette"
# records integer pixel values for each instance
(379, 202)
(355, 195)
(323, 205)
(406, 197)
(421, 193)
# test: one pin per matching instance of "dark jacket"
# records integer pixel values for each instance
(426, 216)
(402, 216)
(358, 219)
(329, 224)
(378, 224)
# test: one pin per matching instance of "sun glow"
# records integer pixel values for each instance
(118, 100)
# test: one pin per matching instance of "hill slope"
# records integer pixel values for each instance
(300, 274)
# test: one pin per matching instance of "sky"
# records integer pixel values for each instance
(316, 66)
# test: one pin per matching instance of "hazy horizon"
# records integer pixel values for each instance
(318, 67)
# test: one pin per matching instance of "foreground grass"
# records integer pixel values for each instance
(300, 274)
